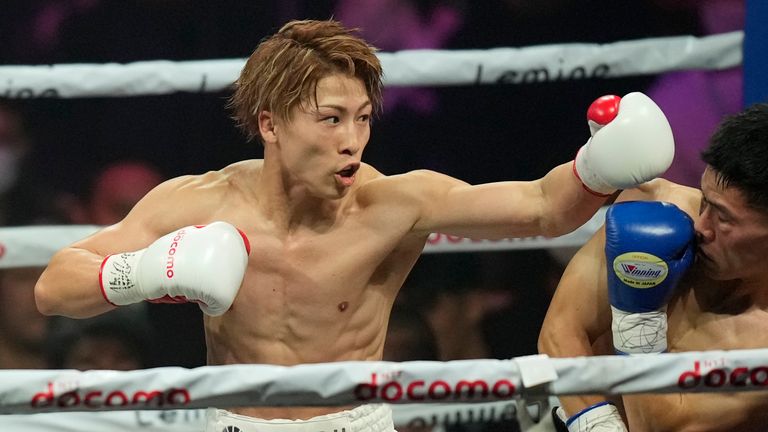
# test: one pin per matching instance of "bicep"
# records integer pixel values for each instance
(155, 215)
(490, 210)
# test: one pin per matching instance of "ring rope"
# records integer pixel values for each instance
(355, 382)
(32, 246)
(542, 63)
(193, 420)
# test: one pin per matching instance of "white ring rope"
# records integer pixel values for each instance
(355, 382)
(557, 62)
(193, 420)
(30, 246)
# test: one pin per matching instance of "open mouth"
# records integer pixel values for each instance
(349, 170)
(347, 175)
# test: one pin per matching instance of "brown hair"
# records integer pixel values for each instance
(284, 70)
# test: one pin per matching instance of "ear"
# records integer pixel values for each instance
(267, 126)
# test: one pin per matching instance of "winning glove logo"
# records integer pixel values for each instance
(640, 269)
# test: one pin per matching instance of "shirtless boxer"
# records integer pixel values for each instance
(721, 303)
(324, 241)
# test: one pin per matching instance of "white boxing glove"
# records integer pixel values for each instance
(203, 264)
(601, 417)
(634, 147)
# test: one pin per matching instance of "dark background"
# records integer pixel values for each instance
(476, 133)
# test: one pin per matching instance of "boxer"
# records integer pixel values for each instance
(721, 303)
(297, 258)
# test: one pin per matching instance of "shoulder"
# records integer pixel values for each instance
(418, 183)
(189, 199)
(214, 182)
(405, 198)
(686, 198)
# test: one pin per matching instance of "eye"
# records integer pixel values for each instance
(331, 119)
(366, 118)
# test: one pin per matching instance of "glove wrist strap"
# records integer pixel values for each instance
(639, 332)
(599, 417)
(118, 278)
(591, 182)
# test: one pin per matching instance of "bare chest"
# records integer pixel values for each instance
(693, 329)
(323, 278)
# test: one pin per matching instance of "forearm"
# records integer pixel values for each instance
(552, 343)
(566, 203)
(69, 286)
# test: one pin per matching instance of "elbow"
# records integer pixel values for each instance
(545, 343)
(44, 300)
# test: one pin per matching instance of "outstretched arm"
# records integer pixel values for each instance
(631, 145)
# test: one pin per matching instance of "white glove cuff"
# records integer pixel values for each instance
(588, 176)
(639, 332)
(602, 417)
(119, 280)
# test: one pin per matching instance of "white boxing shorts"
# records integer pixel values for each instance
(365, 418)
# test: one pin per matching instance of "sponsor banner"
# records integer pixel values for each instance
(345, 383)
(323, 384)
(530, 416)
(35, 245)
(499, 66)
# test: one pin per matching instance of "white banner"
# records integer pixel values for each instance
(350, 383)
(35, 245)
(543, 63)
(531, 416)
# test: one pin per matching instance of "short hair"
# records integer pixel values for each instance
(738, 152)
(285, 68)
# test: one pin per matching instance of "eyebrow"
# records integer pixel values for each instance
(719, 208)
(344, 109)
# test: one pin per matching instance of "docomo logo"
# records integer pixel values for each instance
(169, 259)
(99, 399)
(719, 377)
(438, 238)
(419, 390)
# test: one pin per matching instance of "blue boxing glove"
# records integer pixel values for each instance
(648, 248)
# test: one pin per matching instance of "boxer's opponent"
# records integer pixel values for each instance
(601, 307)
(297, 258)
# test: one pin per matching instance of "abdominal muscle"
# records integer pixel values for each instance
(283, 329)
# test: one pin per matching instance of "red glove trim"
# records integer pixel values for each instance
(576, 173)
(101, 284)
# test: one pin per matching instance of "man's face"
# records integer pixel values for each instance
(321, 146)
(733, 237)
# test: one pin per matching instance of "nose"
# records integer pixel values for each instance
(704, 232)
(353, 141)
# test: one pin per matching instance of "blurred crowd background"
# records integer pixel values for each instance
(87, 161)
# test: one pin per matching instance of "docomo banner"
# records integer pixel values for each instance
(35, 245)
(345, 383)
(258, 385)
(526, 413)
(438, 242)
(697, 372)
